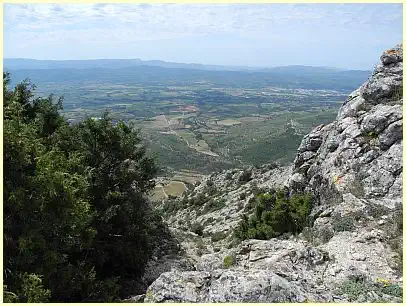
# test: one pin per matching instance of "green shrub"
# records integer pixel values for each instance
(208, 221)
(211, 190)
(197, 228)
(8, 296)
(251, 204)
(213, 205)
(201, 247)
(184, 202)
(32, 290)
(256, 191)
(242, 196)
(200, 199)
(228, 261)
(377, 210)
(275, 214)
(397, 94)
(392, 289)
(353, 287)
(373, 135)
(395, 234)
(218, 236)
(343, 223)
(245, 176)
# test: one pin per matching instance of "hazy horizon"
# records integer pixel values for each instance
(186, 63)
(245, 35)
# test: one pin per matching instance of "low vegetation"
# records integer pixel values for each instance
(197, 228)
(344, 223)
(357, 286)
(228, 261)
(275, 213)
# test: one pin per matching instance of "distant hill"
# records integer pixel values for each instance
(153, 72)
(26, 63)
(23, 63)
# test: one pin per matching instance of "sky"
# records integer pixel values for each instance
(351, 36)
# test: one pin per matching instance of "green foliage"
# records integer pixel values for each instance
(228, 261)
(274, 214)
(32, 290)
(245, 176)
(370, 136)
(354, 287)
(197, 228)
(8, 296)
(343, 223)
(201, 247)
(373, 135)
(397, 94)
(74, 207)
(172, 205)
(199, 199)
(213, 205)
(395, 235)
(218, 236)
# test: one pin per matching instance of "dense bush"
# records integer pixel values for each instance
(213, 205)
(76, 223)
(274, 214)
(199, 199)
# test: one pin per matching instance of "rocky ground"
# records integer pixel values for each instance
(352, 251)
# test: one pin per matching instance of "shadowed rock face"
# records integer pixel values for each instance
(353, 167)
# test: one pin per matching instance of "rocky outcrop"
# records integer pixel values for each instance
(224, 286)
(360, 152)
(352, 167)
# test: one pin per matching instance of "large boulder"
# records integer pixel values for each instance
(223, 286)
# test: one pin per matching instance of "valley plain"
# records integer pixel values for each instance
(197, 121)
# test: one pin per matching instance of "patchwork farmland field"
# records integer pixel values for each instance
(202, 121)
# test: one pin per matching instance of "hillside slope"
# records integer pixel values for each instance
(351, 249)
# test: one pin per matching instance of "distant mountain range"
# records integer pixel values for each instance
(160, 72)
(25, 63)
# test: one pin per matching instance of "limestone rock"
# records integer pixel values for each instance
(223, 286)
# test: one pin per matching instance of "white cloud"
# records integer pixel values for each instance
(185, 19)
(93, 26)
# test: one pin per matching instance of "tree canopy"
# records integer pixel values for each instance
(77, 225)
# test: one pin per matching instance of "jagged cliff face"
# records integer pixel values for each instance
(360, 152)
(353, 167)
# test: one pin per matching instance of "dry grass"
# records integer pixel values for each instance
(175, 188)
